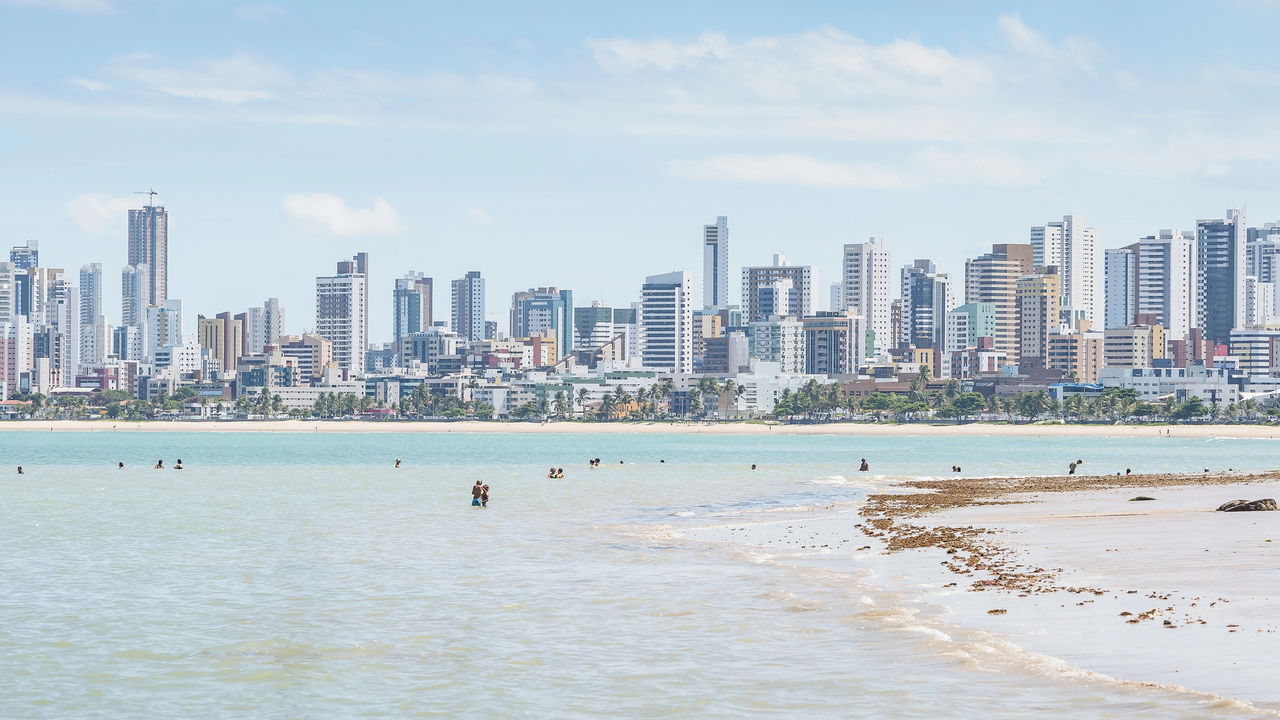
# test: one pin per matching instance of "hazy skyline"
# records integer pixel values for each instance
(585, 147)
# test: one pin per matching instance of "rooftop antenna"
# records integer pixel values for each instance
(151, 195)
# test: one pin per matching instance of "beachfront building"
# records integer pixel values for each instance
(1121, 286)
(865, 290)
(1132, 346)
(1220, 274)
(467, 306)
(926, 296)
(222, 337)
(1073, 249)
(545, 311)
(1153, 384)
(833, 343)
(778, 340)
(149, 246)
(993, 279)
(715, 263)
(1076, 354)
(342, 311)
(411, 308)
(1256, 350)
(666, 322)
(778, 289)
(1039, 307)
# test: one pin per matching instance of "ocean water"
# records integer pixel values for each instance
(302, 576)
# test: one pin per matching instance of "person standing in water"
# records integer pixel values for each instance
(397, 463)
(864, 466)
(484, 496)
(159, 465)
(476, 491)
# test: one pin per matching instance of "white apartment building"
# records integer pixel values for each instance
(1121, 283)
(1154, 384)
(666, 322)
(779, 340)
(778, 289)
(1167, 280)
(866, 289)
(1073, 248)
(342, 315)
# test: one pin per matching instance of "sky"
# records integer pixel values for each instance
(583, 145)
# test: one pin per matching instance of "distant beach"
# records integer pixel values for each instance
(728, 428)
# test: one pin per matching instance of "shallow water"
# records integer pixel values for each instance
(300, 575)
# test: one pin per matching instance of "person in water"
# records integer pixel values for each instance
(753, 466)
(559, 472)
(178, 465)
(159, 464)
(397, 463)
(484, 496)
(864, 466)
(120, 466)
(477, 491)
(1072, 468)
(20, 470)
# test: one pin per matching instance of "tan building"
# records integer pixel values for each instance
(1133, 346)
(1039, 306)
(1077, 354)
(993, 278)
(313, 353)
(223, 337)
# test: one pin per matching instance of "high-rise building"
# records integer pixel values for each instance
(149, 244)
(135, 294)
(223, 338)
(9, 290)
(1121, 269)
(411, 309)
(162, 327)
(833, 343)
(666, 322)
(778, 289)
(1076, 354)
(927, 295)
(342, 311)
(1167, 277)
(263, 326)
(1133, 346)
(1039, 311)
(866, 290)
(17, 337)
(1073, 249)
(593, 326)
(993, 278)
(25, 257)
(1259, 302)
(90, 293)
(538, 311)
(1220, 273)
(468, 306)
(715, 263)
(779, 340)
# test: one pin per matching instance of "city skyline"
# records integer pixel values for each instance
(359, 172)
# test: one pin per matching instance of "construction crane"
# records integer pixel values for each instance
(151, 195)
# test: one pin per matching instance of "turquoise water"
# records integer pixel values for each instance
(300, 575)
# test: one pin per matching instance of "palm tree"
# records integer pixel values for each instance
(561, 403)
(583, 396)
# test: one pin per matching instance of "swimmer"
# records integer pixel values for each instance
(159, 465)
(20, 470)
(119, 466)
(178, 466)
(753, 467)
(864, 466)
(397, 463)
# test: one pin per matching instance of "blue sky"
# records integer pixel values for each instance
(582, 145)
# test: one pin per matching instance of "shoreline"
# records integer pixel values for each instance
(733, 428)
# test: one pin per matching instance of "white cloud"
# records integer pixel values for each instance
(76, 6)
(232, 80)
(90, 85)
(332, 213)
(624, 55)
(100, 214)
(481, 217)
(1072, 53)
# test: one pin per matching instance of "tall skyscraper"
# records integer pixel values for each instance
(993, 278)
(1167, 277)
(467, 307)
(342, 311)
(135, 294)
(593, 326)
(866, 290)
(411, 309)
(1220, 259)
(1121, 283)
(666, 322)
(149, 244)
(263, 326)
(778, 289)
(25, 257)
(927, 295)
(9, 303)
(715, 263)
(1039, 311)
(90, 293)
(537, 311)
(1073, 248)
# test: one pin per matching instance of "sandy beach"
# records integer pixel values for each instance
(478, 427)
